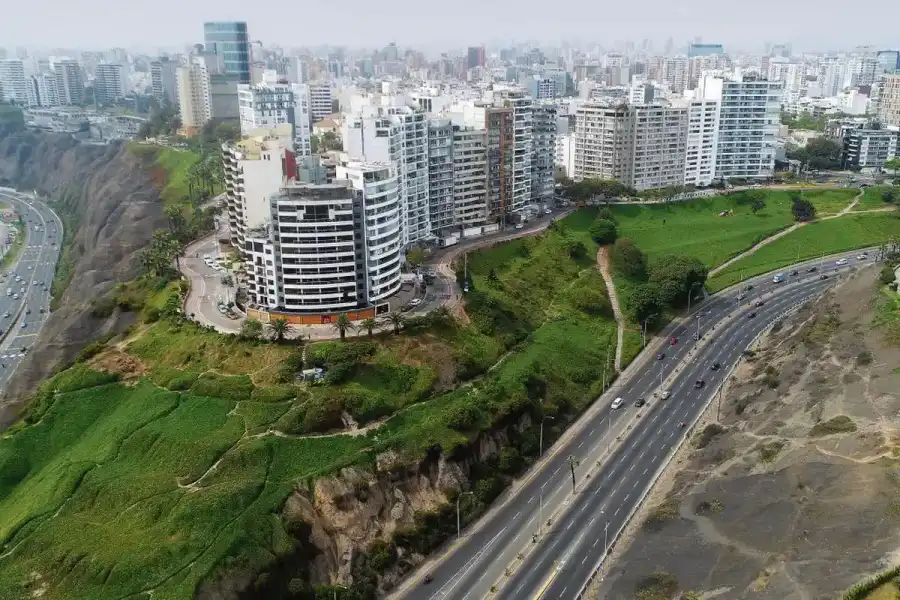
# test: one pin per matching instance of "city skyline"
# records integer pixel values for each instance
(358, 24)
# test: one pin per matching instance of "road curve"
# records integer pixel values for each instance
(498, 551)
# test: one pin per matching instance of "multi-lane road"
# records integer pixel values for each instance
(25, 284)
(544, 541)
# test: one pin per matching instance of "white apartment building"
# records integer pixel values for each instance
(320, 101)
(440, 174)
(42, 91)
(702, 142)
(255, 168)
(603, 142)
(13, 83)
(470, 192)
(861, 70)
(868, 149)
(887, 109)
(397, 135)
(194, 97)
(793, 78)
(659, 146)
(543, 171)
(675, 73)
(749, 116)
(832, 77)
(69, 81)
(272, 103)
(109, 82)
(163, 81)
(328, 247)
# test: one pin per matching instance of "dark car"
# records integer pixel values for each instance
(699, 383)
(640, 402)
(748, 288)
(794, 273)
(716, 366)
(812, 269)
(429, 578)
(660, 355)
(823, 276)
(751, 315)
(673, 340)
(759, 303)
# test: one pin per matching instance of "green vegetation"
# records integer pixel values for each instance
(838, 424)
(810, 241)
(879, 196)
(12, 252)
(804, 121)
(659, 586)
(769, 450)
(12, 119)
(709, 433)
(883, 586)
(887, 315)
(819, 154)
(662, 514)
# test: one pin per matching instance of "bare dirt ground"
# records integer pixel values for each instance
(799, 497)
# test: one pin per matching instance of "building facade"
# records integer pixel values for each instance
(267, 105)
(470, 191)
(163, 81)
(42, 90)
(69, 82)
(868, 149)
(320, 101)
(109, 83)
(13, 83)
(440, 174)
(230, 41)
(658, 147)
(194, 97)
(603, 142)
(543, 170)
(702, 142)
(888, 107)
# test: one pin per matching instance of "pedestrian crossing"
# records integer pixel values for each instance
(19, 355)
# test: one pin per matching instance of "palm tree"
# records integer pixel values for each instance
(395, 319)
(342, 324)
(279, 329)
(369, 325)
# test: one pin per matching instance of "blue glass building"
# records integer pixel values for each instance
(888, 60)
(229, 40)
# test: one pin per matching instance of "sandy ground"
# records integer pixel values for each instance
(770, 508)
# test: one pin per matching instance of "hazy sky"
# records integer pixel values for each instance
(99, 24)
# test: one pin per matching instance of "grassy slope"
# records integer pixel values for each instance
(92, 488)
(829, 236)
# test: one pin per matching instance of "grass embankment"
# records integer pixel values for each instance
(828, 236)
(15, 247)
(164, 460)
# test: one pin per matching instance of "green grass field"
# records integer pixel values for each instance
(695, 228)
(873, 197)
(829, 236)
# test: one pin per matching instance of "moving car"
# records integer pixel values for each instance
(841, 262)
(519, 226)
(812, 269)
(794, 273)
(716, 366)
(660, 355)
(664, 395)
(778, 278)
(751, 315)
(640, 402)
(823, 276)
(616, 404)
(863, 256)
(673, 340)
(759, 303)
(699, 383)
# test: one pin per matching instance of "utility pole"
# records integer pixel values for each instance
(644, 329)
(541, 443)
(572, 464)
(458, 498)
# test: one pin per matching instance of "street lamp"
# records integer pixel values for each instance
(541, 442)
(690, 293)
(644, 328)
(458, 498)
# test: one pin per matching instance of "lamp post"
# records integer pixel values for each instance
(690, 293)
(541, 442)
(644, 329)
(458, 498)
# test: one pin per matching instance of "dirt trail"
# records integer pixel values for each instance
(783, 233)
(603, 267)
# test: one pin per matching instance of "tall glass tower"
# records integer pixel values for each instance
(229, 40)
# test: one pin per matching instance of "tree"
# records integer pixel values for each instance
(628, 259)
(603, 231)
(887, 275)
(492, 275)
(159, 254)
(395, 319)
(606, 213)
(369, 324)
(802, 208)
(758, 205)
(415, 256)
(251, 329)
(279, 328)
(342, 324)
(675, 276)
(644, 303)
(893, 164)
(888, 196)
(819, 153)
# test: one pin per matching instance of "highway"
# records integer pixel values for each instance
(619, 454)
(22, 317)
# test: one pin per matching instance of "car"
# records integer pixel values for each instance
(616, 404)
(6, 316)
(841, 262)
(415, 302)
(27, 311)
(748, 288)
(812, 269)
(673, 340)
(24, 349)
(778, 278)
(759, 303)
(699, 383)
(664, 395)
(715, 366)
(428, 578)
(466, 288)
(519, 226)
(752, 315)
(640, 402)
(24, 324)
(823, 276)
(863, 256)
(660, 355)
(794, 273)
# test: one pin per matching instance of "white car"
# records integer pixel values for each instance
(841, 262)
(617, 403)
(664, 395)
(862, 257)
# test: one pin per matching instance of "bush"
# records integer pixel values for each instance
(838, 424)
(79, 377)
(227, 387)
(864, 358)
(274, 393)
(887, 275)
(768, 451)
(709, 432)
(628, 259)
(340, 360)
(802, 209)
(659, 586)
(603, 231)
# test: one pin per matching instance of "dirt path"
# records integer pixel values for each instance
(603, 267)
(783, 233)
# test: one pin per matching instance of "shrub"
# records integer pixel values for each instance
(769, 450)
(709, 432)
(706, 507)
(628, 259)
(340, 359)
(603, 231)
(838, 424)
(79, 377)
(227, 387)
(274, 393)
(662, 514)
(864, 358)
(887, 275)
(659, 586)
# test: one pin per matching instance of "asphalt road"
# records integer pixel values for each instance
(21, 318)
(619, 453)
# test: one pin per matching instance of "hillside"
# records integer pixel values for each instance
(110, 208)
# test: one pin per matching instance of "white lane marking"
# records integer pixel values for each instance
(617, 512)
(517, 515)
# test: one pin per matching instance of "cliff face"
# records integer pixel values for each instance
(112, 208)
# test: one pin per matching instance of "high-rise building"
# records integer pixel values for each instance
(675, 73)
(543, 171)
(659, 146)
(702, 141)
(440, 174)
(705, 49)
(475, 57)
(793, 78)
(523, 144)
(194, 98)
(13, 83)
(163, 80)
(109, 83)
(749, 116)
(861, 71)
(69, 82)
(42, 90)
(469, 176)
(888, 60)
(320, 101)
(888, 108)
(272, 103)
(230, 41)
(603, 143)
(868, 149)
(832, 77)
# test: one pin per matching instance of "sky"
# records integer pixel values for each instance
(100, 24)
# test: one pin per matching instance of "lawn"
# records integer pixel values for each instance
(694, 228)
(873, 197)
(828, 237)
